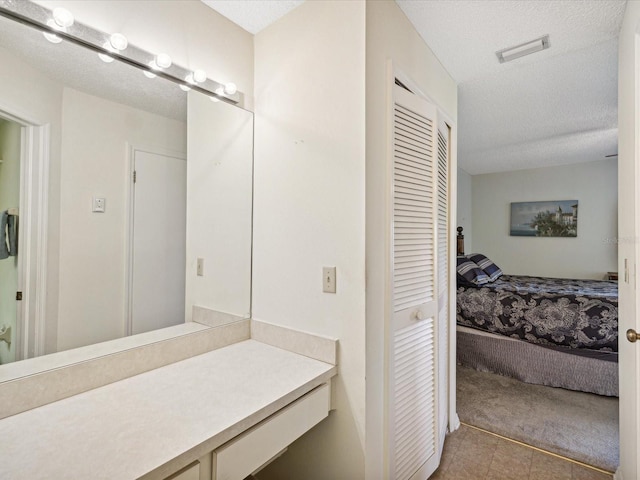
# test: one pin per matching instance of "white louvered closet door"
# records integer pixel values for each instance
(414, 447)
(444, 228)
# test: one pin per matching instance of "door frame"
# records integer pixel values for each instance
(130, 206)
(33, 239)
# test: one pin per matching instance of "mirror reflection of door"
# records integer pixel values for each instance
(158, 246)
(10, 138)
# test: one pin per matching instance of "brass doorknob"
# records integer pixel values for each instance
(632, 335)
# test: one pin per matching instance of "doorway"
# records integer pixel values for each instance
(157, 260)
(25, 176)
(10, 140)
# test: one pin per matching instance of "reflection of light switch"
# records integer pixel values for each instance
(200, 267)
(99, 204)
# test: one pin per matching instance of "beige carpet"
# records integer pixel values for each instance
(577, 425)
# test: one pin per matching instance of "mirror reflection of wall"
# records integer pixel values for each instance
(98, 136)
(220, 197)
(105, 121)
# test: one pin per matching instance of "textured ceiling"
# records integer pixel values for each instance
(465, 34)
(554, 107)
(253, 15)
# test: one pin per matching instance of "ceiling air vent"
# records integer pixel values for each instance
(533, 46)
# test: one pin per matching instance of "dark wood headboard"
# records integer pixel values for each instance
(460, 238)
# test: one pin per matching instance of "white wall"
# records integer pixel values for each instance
(93, 246)
(590, 255)
(390, 37)
(628, 159)
(9, 198)
(309, 210)
(465, 209)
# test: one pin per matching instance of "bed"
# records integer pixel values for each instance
(548, 331)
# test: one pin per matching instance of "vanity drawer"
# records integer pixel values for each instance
(192, 472)
(251, 450)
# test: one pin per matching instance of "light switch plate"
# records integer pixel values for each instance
(329, 279)
(99, 204)
(200, 267)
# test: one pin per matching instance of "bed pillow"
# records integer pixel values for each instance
(490, 268)
(469, 272)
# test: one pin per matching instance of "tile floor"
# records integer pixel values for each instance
(470, 454)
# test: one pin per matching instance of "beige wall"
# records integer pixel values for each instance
(93, 246)
(390, 37)
(590, 255)
(628, 159)
(309, 210)
(9, 198)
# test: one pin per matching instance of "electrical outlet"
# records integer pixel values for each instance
(329, 279)
(200, 267)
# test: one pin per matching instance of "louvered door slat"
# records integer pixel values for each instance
(414, 411)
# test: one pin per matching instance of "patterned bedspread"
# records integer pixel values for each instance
(545, 311)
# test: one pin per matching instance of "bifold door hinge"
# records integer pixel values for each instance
(135, 176)
(18, 296)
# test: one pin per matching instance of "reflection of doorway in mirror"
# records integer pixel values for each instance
(10, 139)
(157, 279)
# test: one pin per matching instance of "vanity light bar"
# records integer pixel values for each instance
(37, 18)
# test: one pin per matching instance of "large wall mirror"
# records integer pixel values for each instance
(121, 254)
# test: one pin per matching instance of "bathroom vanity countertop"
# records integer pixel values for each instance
(155, 423)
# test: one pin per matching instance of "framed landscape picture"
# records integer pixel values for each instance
(544, 219)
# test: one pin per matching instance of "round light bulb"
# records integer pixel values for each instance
(189, 79)
(163, 60)
(53, 38)
(214, 99)
(184, 88)
(149, 74)
(118, 41)
(199, 76)
(103, 56)
(230, 88)
(62, 17)
(219, 91)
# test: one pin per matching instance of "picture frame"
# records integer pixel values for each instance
(556, 218)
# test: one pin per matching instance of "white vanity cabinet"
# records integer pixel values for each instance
(255, 448)
(192, 472)
(251, 450)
